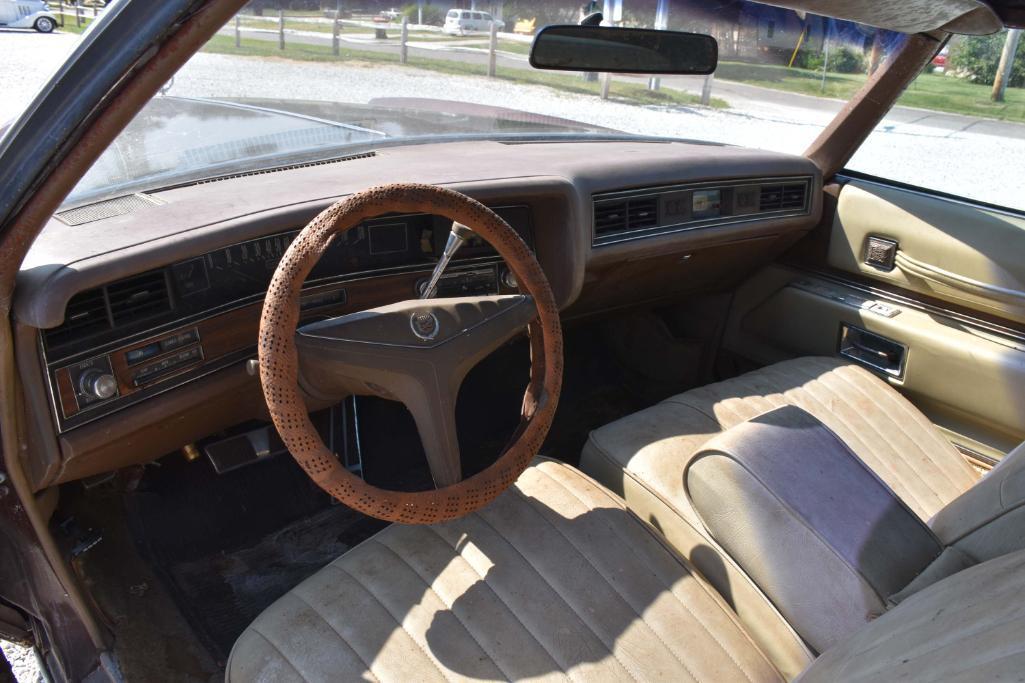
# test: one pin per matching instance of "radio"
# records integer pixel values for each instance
(113, 375)
(171, 353)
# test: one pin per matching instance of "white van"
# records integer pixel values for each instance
(462, 21)
(27, 14)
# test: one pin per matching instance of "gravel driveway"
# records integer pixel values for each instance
(23, 662)
(27, 59)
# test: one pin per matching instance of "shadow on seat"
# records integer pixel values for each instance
(554, 578)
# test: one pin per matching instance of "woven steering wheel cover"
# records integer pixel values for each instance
(279, 362)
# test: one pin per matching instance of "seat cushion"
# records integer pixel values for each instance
(554, 580)
(884, 430)
(643, 458)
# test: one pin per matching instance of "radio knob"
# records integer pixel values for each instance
(98, 384)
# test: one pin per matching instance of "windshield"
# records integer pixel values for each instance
(276, 88)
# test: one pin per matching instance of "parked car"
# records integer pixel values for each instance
(27, 14)
(940, 60)
(462, 21)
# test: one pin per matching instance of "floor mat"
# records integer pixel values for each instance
(227, 546)
(228, 589)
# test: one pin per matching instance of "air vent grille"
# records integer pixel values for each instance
(86, 314)
(781, 197)
(609, 217)
(140, 297)
(278, 169)
(636, 213)
(642, 212)
(625, 215)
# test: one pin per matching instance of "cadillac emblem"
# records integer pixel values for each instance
(425, 325)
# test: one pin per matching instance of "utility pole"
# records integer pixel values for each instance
(661, 24)
(825, 58)
(1006, 64)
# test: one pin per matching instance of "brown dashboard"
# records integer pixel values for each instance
(133, 330)
(132, 338)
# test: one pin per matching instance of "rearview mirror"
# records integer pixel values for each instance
(623, 50)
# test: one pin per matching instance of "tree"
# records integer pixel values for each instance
(977, 58)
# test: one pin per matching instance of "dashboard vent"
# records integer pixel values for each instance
(277, 169)
(626, 215)
(781, 197)
(636, 213)
(139, 297)
(86, 314)
(642, 212)
(609, 217)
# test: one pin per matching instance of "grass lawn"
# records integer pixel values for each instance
(928, 91)
(633, 93)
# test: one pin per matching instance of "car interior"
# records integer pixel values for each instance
(273, 425)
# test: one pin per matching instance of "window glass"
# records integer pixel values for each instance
(258, 97)
(946, 132)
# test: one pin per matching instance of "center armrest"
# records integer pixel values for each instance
(821, 535)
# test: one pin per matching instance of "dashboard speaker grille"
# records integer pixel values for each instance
(118, 206)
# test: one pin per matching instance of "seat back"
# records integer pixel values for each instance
(967, 627)
(988, 520)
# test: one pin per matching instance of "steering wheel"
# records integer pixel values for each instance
(417, 352)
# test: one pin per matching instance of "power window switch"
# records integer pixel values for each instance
(885, 310)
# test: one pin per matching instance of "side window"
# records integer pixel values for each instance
(953, 131)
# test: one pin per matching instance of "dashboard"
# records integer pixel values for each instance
(133, 328)
(93, 371)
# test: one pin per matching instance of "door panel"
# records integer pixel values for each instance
(968, 381)
(953, 295)
(945, 249)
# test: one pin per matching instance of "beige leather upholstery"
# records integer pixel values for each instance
(643, 457)
(822, 536)
(555, 580)
(989, 519)
(953, 251)
(967, 627)
(882, 428)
